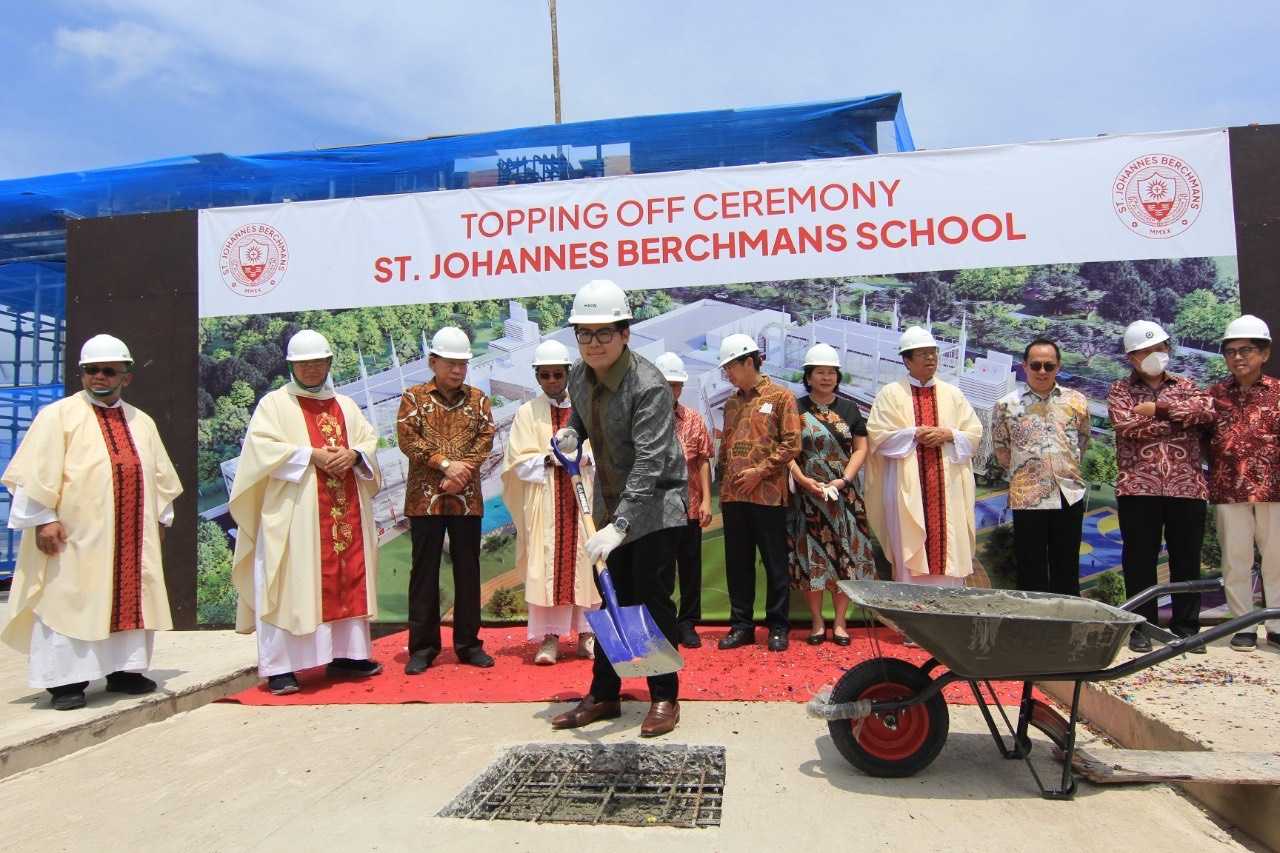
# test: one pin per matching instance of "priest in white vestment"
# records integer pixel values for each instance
(92, 485)
(306, 553)
(920, 492)
(559, 587)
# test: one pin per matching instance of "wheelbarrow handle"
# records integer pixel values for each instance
(1205, 585)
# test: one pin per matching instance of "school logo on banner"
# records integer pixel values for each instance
(254, 259)
(1157, 196)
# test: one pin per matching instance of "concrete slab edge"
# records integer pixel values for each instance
(154, 708)
(1253, 809)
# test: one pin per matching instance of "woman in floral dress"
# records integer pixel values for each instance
(827, 534)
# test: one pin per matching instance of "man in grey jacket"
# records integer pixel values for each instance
(623, 405)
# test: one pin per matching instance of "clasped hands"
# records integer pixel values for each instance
(335, 461)
(933, 436)
(456, 476)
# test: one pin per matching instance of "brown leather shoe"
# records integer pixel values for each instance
(587, 711)
(662, 718)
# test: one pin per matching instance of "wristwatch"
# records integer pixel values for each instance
(622, 524)
(444, 464)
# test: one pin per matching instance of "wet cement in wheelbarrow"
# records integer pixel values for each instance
(1001, 604)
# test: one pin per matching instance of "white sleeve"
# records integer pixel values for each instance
(901, 443)
(362, 467)
(294, 467)
(532, 470)
(959, 449)
(166, 515)
(27, 512)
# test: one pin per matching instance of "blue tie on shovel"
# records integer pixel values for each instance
(628, 635)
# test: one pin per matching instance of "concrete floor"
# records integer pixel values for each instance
(231, 778)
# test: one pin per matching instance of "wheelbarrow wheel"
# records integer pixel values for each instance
(887, 745)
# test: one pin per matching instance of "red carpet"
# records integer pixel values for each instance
(748, 674)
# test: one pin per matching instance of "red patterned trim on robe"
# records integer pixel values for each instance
(342, 570)
(566, 523)
(127, 491)
(933, 491)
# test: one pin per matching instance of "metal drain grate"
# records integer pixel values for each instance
(623, 784)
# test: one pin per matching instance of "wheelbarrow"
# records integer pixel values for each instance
(888, 717)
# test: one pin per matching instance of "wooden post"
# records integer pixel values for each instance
(555, 58)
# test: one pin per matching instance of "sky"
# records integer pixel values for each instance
(94, 83)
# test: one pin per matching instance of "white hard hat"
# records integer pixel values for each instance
(916, 337)
(822, 355)
(599, 301)
(672, 367)
(1143, 333)
(451, 342)
(551, 352)
(1248, 326)
(103, 348)
(308, 345)
(736, 346)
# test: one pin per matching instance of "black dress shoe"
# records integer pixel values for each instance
(352, 668)
(132, 683)
(817, 639)
(840, 639)
(778, 641)
(283, 684)
(68, 701)
(1139, 643)
(739, 636)
(688, 637)
(419, 662)
(476, 657)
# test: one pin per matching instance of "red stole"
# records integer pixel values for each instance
(566, 521)
(933, 491)
(127, 492)
(342, 582)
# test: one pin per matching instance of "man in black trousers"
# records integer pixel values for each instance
(623, 405)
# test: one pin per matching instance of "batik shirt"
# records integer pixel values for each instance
(761, 430)
(696, 444)
(1040, 440)
(1160, 455)
(430, 429)
(1244, 451)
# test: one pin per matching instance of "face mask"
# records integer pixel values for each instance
(1155, 363)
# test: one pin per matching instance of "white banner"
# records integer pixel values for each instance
(1165, 195)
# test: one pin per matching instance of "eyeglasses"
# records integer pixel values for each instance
(94, 370)
(603, 336)
(1042, 366)
(1239, 352)
(547, 375)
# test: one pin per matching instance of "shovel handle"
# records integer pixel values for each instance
(588, 524)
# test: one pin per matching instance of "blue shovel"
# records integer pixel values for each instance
(628, 636)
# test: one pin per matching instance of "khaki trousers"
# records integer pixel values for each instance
(1239, 527)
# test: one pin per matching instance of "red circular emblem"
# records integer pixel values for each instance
(253, 259)
(1157, 195)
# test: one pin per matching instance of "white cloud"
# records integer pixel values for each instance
(127, 53)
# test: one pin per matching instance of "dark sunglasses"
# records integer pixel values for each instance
(1042, 366)
(604, 336)
(94, 370)
(1239, 352)
(551, 374)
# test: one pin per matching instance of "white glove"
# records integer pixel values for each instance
(830, 493)
(601, 545)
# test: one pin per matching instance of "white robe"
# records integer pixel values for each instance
(896, 446)
(279, 651)
(55, 659)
